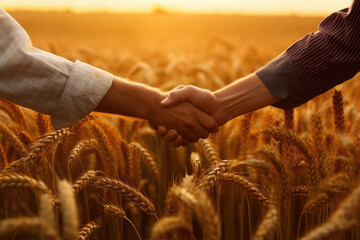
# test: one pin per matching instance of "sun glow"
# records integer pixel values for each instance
(186, 6)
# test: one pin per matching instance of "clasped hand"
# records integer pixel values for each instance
(191, 113)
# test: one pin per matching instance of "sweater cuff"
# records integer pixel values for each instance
(280, 77)
(85, 88)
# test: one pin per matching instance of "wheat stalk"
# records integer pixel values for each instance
(69, 210)
(3, 158)
(46, 210)
(208, 217)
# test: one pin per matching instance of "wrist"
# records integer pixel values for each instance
(220, 115)
(153, 106)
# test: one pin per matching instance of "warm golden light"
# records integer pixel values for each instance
(201, 6)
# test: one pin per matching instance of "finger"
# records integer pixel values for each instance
(178, 87)
(201, 132)
(208, 122)
(182, 94)
(177, 142)
(161, 130)
(185, 143)
(171, 135)
(152, 126)
(195, 128)
(189, 135)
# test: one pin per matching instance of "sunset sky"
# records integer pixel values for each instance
(202, 6)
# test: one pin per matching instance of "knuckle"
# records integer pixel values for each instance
(173, 134)
(191, 88)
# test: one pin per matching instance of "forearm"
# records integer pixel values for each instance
(244, 95)
(131, 99)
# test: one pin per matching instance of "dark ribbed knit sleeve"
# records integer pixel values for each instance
(317, 62)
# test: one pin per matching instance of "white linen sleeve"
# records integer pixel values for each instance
(84, 90)
(45, 82)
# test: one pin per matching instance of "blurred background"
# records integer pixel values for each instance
(307, 7)
(115, 35)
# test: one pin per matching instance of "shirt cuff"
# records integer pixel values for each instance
(85, 88)
(280, 77)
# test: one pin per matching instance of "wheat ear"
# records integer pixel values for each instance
(289, 118)
(246, 185)
(268, 224)
(13, 139)
(34, 225)
(78, 149)
(30, 159)
(84, 179)
(42, 123)
(338, 111)
(147, 159)
(196, 165)
(209, 150)
(114, 210)
(15, 180)
(171, 203)
(103, 141)
(282, 134)
(87, 230)
(170, 225)
(210, 178)
(126, 191)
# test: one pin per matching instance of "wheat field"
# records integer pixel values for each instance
(270, 174)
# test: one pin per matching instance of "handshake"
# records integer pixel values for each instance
(186, 114)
